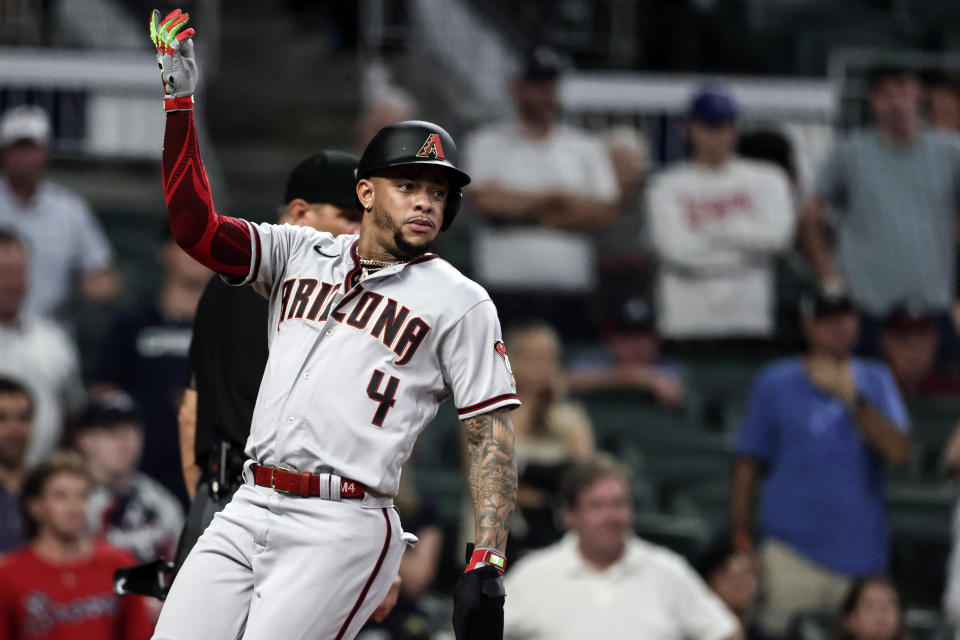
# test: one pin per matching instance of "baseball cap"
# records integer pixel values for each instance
(25, 122)
(713, 104)
(542, 63)
(327, 177)
(108, 410)
(829, 299)
(634, 315)
(908, 315)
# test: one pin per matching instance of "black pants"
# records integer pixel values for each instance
(204, 506)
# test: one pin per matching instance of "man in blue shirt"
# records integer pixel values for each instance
(820, 430)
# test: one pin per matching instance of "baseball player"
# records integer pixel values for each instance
(367, 335)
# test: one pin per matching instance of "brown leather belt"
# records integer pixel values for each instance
(306, 484)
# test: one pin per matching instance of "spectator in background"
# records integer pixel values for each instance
(388, 104)
(820, 430)
(617, 244)
(60, 585)
(941, 98)
(909, 342)
(871, 610)
(16, 423)
(733, 576)
(64, 238)
(717, 221)
(630, 359)
(128, 509)
(552, 433)
(35, 351)
(540, 186)
(601, 581)
(630, 159)
(896, 191)
(146, 356)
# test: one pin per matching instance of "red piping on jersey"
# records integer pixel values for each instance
(425, 258)
(356, 265)
(218, 242)
(258, 251)
(373, 575)
(488, 402)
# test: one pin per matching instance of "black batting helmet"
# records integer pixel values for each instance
(416, 142)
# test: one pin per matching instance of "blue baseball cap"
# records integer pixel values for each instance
(713, 104)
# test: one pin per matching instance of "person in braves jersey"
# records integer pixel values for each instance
(368, 334)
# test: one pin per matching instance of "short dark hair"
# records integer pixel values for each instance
(880, 74)
(9, 236)
(9, 386)
(39, 476)
(584, 474)
(852, 600)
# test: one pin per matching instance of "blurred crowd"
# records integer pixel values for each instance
(92, 471)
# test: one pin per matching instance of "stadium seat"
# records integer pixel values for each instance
(445, 489)
(684, 535)
(708, 501)
(920, 536)
(618, 414)
(932, 421)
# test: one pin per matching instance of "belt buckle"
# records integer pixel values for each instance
(282, 467)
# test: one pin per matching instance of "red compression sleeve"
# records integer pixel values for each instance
(218, 242)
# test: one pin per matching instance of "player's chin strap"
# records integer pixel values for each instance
(484, 556)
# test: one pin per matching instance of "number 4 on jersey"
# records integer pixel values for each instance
(386, 399)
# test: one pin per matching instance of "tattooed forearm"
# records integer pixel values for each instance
(492, 476)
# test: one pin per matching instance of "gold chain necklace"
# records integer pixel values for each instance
(370, 267)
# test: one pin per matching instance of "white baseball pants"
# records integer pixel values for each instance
(273, 566)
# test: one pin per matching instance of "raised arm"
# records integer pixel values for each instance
(492, 476)
(218, 242)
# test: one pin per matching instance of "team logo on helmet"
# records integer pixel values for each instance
(431, 148)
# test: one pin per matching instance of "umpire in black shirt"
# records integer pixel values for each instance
(228, 351)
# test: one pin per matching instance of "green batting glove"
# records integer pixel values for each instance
(178, 66)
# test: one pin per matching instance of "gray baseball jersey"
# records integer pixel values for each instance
(356, 373)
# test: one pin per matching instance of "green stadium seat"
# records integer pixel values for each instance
(616, 414)
(708, 501)
(445, 489)
(680, 457)
(932, 422)
(920, 517)
(684, 535)
(921, 511)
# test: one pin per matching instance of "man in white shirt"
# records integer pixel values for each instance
(540, 187)
(35, 351)
(601, 581)
(717, 221)
(65, 240)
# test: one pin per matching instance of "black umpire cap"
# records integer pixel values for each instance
(328, 177)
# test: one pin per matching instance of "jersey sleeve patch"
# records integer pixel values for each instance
(501, 350)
